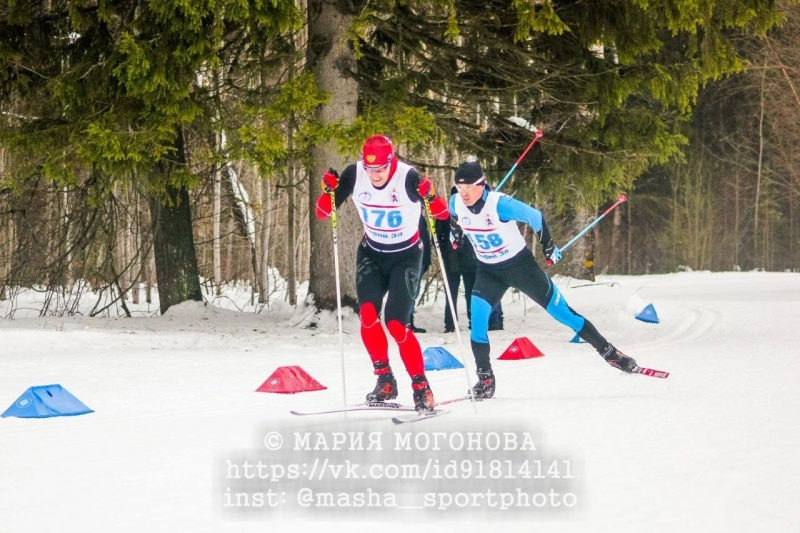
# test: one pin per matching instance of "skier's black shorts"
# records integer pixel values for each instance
(395, 273)
(523, 273)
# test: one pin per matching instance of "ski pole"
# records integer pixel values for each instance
(622, 198)
(338, 288)
(450, 300)
(536, 137)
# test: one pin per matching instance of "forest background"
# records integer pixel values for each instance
(168, 143)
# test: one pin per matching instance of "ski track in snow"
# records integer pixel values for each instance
(711, 448)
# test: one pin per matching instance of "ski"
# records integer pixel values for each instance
(466, 398)
(454, 400)
(432, 414)
(366, 406)
(376, 406)
(650, 372)
(416, 417)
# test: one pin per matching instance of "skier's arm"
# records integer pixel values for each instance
(456, 233)
(511, 209)
(342, 187)
(347, 182)
(421, 187)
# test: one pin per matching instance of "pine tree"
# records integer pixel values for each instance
(610, 82)
(95, 93)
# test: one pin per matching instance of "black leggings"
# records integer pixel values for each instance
(395, 273)
(523, 273)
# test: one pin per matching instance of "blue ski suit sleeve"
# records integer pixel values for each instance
(510, 209)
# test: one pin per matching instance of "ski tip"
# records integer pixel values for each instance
(419, 416)
(652, 373)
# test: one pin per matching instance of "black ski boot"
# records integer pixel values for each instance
(618, 359)
(386, 387)
(484, 388)
(423, 397)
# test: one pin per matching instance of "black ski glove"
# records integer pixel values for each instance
(457, 233)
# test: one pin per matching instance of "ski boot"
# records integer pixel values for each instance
(423, 397)
(414, 328)
(619, 360)
(386, 387)
(484, 388)
(496, 325)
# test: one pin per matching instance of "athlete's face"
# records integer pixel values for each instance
(470, 192)
(378, 175)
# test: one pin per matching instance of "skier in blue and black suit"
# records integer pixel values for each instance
(489, 220)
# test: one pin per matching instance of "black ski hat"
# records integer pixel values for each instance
(469, 172)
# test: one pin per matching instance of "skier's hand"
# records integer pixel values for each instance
(330, 180)
(456, 234)
(552, 253)
(456, 241)
(425, 189)
(439, 209)
(324, 206)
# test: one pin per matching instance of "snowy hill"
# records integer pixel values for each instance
(570, 444)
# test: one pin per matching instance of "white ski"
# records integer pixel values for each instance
(416, 417)
(366, 406)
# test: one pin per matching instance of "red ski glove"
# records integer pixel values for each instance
(425, 189)
(439, 208)
(324, 206)
(330, 180)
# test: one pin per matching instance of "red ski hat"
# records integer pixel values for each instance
(377, 151)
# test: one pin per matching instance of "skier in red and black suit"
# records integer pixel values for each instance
(388, 195)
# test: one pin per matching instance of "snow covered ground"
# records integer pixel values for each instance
(712, 448)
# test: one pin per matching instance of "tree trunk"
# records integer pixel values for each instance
(266, 230)
(329, 58)
(793, 260)
(629, 243)
(8, 252)
(615, 263)
(67, 242)
(580, 261)
(147, 263)
(215, 229)
(736, 220)
(760, 165)
(177, 275)
(123, 249)
(291, 226)
(137, 249)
